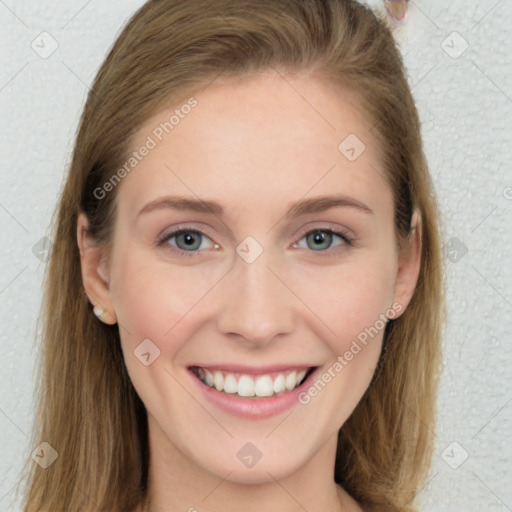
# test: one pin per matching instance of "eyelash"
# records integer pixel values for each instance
(164, 239)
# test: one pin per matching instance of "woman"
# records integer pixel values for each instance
(244, 303)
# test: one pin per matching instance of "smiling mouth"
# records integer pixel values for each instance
(246, 386)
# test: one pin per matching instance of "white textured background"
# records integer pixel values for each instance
(464, 96)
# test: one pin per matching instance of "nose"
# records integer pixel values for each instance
(256, 305)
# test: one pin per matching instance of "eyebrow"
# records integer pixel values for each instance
(301, 207)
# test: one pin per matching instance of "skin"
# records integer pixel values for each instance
(255, 146)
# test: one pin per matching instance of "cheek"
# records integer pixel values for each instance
(152, 297)
(351, 298)
(154, 301)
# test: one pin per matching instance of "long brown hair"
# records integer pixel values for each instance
(88, 410)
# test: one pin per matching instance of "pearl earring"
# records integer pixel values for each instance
(98, 311)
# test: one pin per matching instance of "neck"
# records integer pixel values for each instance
(345, 502)
(176, 482)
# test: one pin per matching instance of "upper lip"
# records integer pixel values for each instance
(253, 370)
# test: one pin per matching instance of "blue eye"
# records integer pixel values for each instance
(324, 238)
(188, 240)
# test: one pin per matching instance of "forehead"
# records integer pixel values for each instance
(265, 140)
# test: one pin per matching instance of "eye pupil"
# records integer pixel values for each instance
(320, 237)
(189, 239)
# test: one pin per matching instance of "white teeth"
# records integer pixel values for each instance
(264, 386)
(208, 377)
(248, 386)
(230, 385)
(279, 386)
(245, 386)
(291, 380)
(218, 381)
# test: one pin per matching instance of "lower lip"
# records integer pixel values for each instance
(253, 408)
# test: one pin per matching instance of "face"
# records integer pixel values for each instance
(268, 282)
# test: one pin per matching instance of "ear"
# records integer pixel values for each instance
(409, 265)
(94, 268)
